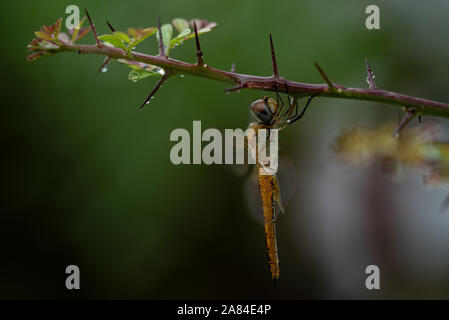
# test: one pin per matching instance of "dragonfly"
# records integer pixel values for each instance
(270, 114)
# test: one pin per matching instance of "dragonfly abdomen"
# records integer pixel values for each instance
(267, 186)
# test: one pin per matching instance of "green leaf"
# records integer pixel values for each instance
(167, 32)
(135, 75)
(136, 65)
(122, 36)
(180, 24)
(180, 38)
(112, 39)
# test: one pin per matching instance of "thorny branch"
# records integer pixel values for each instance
(274, 83)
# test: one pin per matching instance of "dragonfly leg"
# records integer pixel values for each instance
(280, 104)
(289, 103)
(291, 106)
(293, 103)
(297, 116)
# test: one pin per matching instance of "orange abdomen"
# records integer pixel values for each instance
(267, 185)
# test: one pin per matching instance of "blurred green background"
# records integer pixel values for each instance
(86, 179)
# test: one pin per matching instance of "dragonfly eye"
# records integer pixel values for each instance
(261, 111)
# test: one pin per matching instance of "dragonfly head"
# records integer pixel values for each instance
(264, 110)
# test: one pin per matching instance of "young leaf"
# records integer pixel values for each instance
(82, 32)
(44, 35)
(45, 45)
(34, 45)
(138, 35)
(113, 40)
(135, 75)
(167, 32)
(180, 38)
(203, 26)
(180, 24)
(63, 37)
(122, 36)
(134, 32)
(75, 32)
(57, 28)
(36, 55)
(136, 65)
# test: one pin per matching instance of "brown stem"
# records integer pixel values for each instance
(296, 89)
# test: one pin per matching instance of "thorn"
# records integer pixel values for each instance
(325, 77)
(233, 68)
(242, 86)
(370, 77)
(156, 87)
(110, 27)
(104, 64)
(273, 59)
(199, 54)
(93, 29)
(161, 41)
(410, 113)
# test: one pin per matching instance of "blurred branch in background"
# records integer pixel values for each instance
(421, 149)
